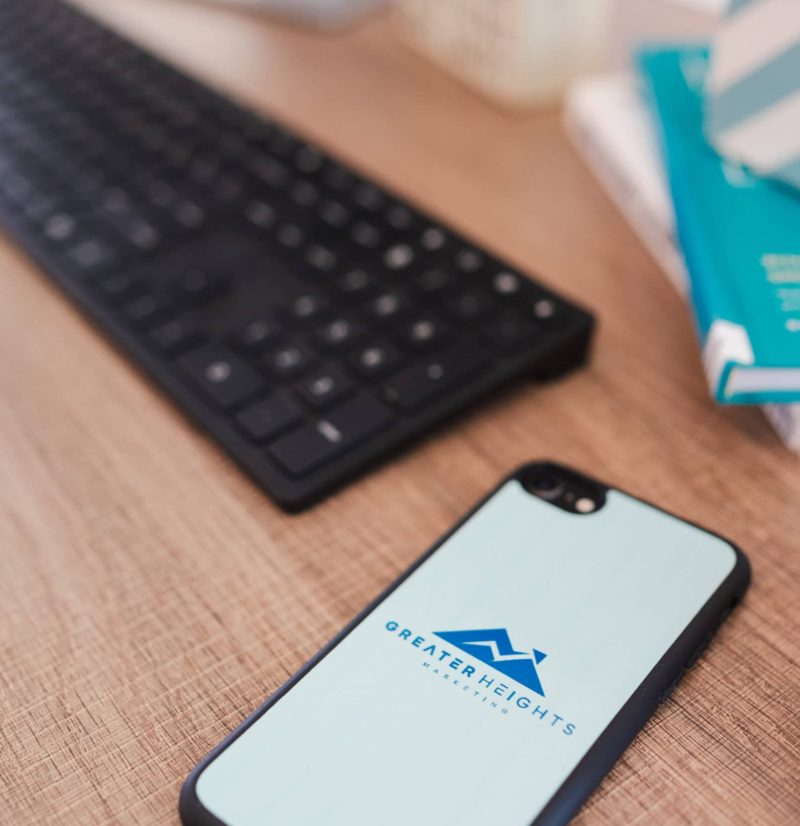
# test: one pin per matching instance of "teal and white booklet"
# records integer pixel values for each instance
(741, 239)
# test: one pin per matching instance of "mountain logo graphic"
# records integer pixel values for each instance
(493, 647)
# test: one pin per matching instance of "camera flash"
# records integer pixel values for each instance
(584, 505)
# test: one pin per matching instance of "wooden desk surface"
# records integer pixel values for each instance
(150, 596)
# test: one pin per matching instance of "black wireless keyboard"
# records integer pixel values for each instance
(307, 319)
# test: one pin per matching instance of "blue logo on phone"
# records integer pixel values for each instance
(493, 647)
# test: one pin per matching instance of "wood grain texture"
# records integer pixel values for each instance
(150, 596)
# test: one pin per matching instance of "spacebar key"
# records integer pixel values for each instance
(315, 444)
(443, 372)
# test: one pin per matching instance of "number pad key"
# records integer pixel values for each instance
(507, 283)
(399, 257)
(222, 376)
(145, 310)
(400, 218)
(308, 306)
(512, 330)
(435, 280)
(434, 239)
(268, 418)
(470, 305)
(468, 260)
(198, 285)
(341, 334)
(366, 235)
(259, 334)
(377, 360)
(423, 381)
(356, 282)
(545, 309)
(389, 305)
(334, 214)
(325, 387)
(174, 336)
(92, 256)
(425, 332)
(313, 445)
(290, 360)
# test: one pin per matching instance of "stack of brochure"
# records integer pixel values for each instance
(728, 240)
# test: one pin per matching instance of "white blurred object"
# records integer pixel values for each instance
(609, 123)
(637, 21)
(715, 7)
(753, 88)
(327, 14)
(521, 52)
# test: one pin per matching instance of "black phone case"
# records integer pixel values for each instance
(620, 732)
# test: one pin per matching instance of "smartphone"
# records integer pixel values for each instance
(497, 681)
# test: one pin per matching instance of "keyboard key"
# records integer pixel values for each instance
(419, 384)
(435, 280)
(433, 239)
(425, 332)
(355, 282)
(281, 143)
(325, 387)
(198, 285)
(365, 234)
(270, 171)
(290, 360)
(204, 169)
(92, 255)
(268, 418)
(123, 286)
(146, 310)
(229, 189)
(360, 418)
(190, 214)
(143, 234)
(334, 214)
(468, 260)
(320, 257)
(368, 196)
(308, 306)
(512, 330)
(159, 193)
(389, 305)
(304, 193)
(308, 159)
(470, 305)
(224, 378)
(174, 336)
(398, 257)
(60, 227)
(341, 334)
(338, 178)
(507, 283)
(139, 232)
(313, 445)
(260, 214)
(307, 448)
(377, 360)
(545, 308)
(259, 334)
(399, 217)
(41, 208)
(290, 236)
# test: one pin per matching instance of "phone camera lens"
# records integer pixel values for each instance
(546, 487)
